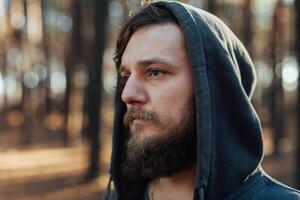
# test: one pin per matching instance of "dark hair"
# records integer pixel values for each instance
(149, 15)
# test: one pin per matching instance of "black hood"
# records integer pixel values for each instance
(229, 144)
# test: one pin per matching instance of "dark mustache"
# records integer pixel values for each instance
(136, 113)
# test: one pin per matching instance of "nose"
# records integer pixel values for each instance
(133, 92)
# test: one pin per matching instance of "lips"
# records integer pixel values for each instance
(140, 116)
(134, 117)
(137, 120)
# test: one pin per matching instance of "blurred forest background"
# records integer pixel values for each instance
(57, 80)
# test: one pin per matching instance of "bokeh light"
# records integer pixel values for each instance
(31, 79)
(12, 84)
(290, 74)
(1, 85)
(57, 82)
(264, 74)
(17, 20)
(116, 12)
(64, 23)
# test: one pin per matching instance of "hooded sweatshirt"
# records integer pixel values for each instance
(229, 134)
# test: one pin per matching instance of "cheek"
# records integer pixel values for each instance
(171, 101)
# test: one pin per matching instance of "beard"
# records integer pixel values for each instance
(173, 151)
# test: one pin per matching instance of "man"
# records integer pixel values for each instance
(184, 125)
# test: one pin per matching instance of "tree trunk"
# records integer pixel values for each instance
(212, 6)
(126, 10)
(72, 59)
(95, 87)
(26, 106)
(46, 84)
(297, 28)
(277, 98)
(247, 28)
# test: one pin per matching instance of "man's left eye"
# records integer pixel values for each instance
(154, 72)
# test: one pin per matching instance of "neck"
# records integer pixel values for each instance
(179, 186)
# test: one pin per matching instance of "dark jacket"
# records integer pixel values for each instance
(229, 144)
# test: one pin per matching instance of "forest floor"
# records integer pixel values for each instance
(54, 172)
(58, 173)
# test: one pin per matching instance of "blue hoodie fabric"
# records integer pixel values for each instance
(229, 143)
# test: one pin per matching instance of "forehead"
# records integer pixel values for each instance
(162, 41)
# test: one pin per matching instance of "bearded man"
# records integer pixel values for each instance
(184, 125)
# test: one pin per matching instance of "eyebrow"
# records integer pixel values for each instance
(148, 62)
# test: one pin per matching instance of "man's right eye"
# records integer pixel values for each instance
(124, 75)
(124, 78)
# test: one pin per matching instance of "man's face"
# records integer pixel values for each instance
(159, 90)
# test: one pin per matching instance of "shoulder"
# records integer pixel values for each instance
(276, 191)
(111, 195)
